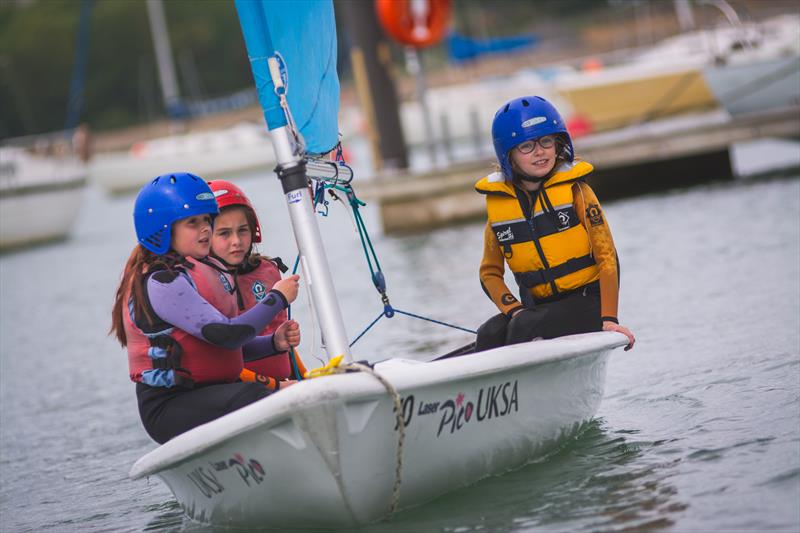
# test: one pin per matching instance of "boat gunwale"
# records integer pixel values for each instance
(212, 434)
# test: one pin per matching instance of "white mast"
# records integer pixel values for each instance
(292, 173)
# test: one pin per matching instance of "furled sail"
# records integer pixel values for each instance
(303, 33)
(291, 45)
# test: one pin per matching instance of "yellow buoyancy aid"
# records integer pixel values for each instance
(546, 246)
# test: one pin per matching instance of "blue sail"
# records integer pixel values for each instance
(303, 32)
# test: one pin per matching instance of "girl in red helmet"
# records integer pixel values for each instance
(236, 228)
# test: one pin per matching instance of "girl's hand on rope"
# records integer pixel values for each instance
(611, 326)
(288, 287)
(286, 336)
(287, 383)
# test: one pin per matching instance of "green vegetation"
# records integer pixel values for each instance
(38, 39)
(37, 47)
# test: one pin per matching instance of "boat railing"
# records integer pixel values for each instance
(68, 144)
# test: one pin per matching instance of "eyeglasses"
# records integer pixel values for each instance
(528, 146)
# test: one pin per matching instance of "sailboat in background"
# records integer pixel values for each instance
(239, 148)
(46, 174)
(741, 67)
(42, 174)
(763, 74)
(352, 448)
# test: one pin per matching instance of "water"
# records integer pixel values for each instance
(699, 429)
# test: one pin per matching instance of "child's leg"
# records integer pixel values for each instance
(492, 333)
(166, 413)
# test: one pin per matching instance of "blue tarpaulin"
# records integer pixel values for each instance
(303, 32)
(463, 48)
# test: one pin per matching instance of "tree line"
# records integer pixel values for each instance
(37, 53)
(38, 42)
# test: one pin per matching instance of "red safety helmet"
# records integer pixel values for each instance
(227, 194)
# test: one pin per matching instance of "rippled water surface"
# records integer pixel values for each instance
(699, 429)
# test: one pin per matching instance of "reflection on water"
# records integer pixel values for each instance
(599, 480)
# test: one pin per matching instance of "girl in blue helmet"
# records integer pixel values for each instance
(546, 224)
(177, 314)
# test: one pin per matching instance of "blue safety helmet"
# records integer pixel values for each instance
(524, 119)
(165, 200)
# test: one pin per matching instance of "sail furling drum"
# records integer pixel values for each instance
(291, 45)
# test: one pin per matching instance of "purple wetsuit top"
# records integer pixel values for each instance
(177, 302)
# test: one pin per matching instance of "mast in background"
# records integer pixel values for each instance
(372, 63)
(166, 66)
(75, 99)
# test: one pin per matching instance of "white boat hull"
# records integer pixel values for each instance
(55, 213)
(324, 452)
(40, 196)
(211, 155)
(757, 86)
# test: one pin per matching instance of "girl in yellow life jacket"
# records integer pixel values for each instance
(546, 224)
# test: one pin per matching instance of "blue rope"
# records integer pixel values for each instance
(378, 278)
(435, 321)
(366, 329)
(389, 311)
(295, 368)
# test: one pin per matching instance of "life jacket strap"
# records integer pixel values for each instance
(538, 277)
(280, 264)
(172, 361)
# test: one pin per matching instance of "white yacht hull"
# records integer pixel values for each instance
(55, 213)
(757, 86)
(211, 155)
(324, 452)
(40, 196)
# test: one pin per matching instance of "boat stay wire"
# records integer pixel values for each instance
(338, 177)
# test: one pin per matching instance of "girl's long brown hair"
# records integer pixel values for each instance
(139, 263)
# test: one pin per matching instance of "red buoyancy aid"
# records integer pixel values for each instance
(253, 287)
(200, 361)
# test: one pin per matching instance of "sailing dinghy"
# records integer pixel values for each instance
(352, 448)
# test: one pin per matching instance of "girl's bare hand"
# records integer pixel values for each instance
(288, 287)
(611, 326)
(287, 335)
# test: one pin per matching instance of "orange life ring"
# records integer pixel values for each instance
(417, 23)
